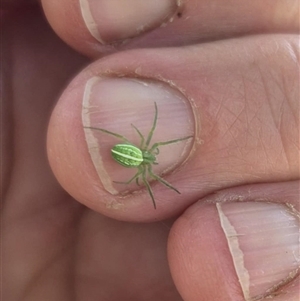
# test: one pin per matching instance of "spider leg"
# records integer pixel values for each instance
(108, 132)
(137, 181)
(156, 151)
(141, 136)
(161, 180)
(156, 145)
(153, 127)
(145, 181)
(135, 177)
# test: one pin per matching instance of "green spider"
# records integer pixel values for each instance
(142, 157)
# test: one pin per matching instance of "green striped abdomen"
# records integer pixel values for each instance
(127, 155)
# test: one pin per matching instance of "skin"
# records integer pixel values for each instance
(61, 247)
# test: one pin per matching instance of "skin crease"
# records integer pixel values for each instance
(55, 248)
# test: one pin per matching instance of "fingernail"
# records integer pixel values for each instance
(263, 239)
(114, 104)
(110, 21)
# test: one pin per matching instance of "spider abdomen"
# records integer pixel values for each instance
(127, 155)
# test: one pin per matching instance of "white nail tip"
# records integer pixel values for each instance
(238, 259)
(263, 239)
(93, 145)
(89, 20)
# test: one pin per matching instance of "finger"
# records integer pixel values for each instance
(239, 244)
(239, 100)
(38, 219)
(27, 104)
(99, 27)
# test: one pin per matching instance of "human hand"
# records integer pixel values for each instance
(244, 115)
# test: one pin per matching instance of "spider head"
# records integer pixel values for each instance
(149, 158)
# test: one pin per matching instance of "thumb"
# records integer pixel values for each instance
(223, 249)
